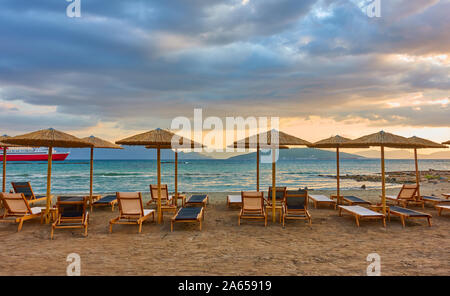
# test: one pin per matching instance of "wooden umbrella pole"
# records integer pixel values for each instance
(257, 169)
(337, 177)
(159, 184)
(176, 177)
(49, 184)
(383, 182)
(91, 177)
(273, 186)
(4, 170)
(417, 172)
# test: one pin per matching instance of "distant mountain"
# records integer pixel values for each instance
(131, 152)
(403, 154)
(301, 153)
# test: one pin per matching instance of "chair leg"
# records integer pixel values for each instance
(140, 227)
(429, 221)
(384, 222)
(51, 232)
(110, 227)
(200, 225)
(357, 221)
(171, 226)
(20, 225)
(403, 221)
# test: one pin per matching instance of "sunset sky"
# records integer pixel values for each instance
(323, 66)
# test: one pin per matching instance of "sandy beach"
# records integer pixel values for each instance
(332, 246)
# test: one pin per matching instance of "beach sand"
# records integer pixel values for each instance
(332, 246)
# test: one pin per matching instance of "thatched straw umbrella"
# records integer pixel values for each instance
(446, 143)
(5, 147)
(159, 139)
(97, 143)
(336, 142)
(264, 141)
(421, 143)
(48, 138)
(382, 140)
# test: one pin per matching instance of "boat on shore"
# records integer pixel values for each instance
(31, 154)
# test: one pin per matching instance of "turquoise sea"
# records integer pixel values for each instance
(201, 175)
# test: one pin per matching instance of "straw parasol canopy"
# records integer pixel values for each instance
(421, 143)
(336, 142)
(264, 140)
(4, 146)
(48, 138)
(159, 139)
(382, 140)
(97, 143)
(447, 143)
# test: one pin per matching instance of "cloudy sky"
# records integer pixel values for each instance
(323, 66)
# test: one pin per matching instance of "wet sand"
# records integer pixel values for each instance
(333, 245)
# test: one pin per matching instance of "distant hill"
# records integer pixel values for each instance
(301, 153)
(131, 152)
(404, 154)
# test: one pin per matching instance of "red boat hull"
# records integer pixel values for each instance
(34, 157)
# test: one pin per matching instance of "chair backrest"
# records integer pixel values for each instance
(72, 208)
(252, 201)
(296, 199)
(15, 203)
(408, 192)
(154, 191)
(280, 193)
(24, 188)
(130, 204)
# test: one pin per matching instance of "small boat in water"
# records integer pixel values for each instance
(31, 154)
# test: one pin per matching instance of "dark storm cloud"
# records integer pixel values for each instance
(128, 61)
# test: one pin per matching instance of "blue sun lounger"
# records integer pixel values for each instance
(191, 214)
(435, 200)
(108, 200)
(405, 213)
(354, 200)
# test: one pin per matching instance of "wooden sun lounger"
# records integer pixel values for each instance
(166, 199)
(405, 213)
(71, 213)
(354, 200)
(252, 206)
(446, 195)
(360, 212)
(27, 191)
(234, 200)
(107, 200)
(197, 200)
(295, 206)
(407, 195)
(322, 199)
(441, 208)
(188, 215)
(435, 200)
(131, 210)
(17, 209)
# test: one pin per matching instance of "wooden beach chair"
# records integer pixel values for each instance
(27, 191)
(434, 200)
(362, 213)
(252, 206)
(354, 200)
(17, 209)
(408, 195)
(188, 215)
(165, 197)
(405, 213)
(280, 195)
(107, 200)
(71, 214)
(321, 199)
(295, 206)
(131, 210)
(441, 208)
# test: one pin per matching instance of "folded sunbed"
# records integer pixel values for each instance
(27, 191)
(434, 199)
(17, 209)
(131, 210)
(188, 215)
(295, 205)
(322, 199)
(71, 213)
(441, 208)
(107, 200)
(362, 213)
(405, 213)
(354, 200)
(408, 194)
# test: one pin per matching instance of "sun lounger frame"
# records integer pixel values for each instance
(354, 203)
(200, 217)
(258, 214)
(18, 217)
(359, 217)
(296, 214)
(441, 208)
(71, 222)
(404, 216)
(319, 202)
(112, 203)
(410, 199)
(18, 186)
